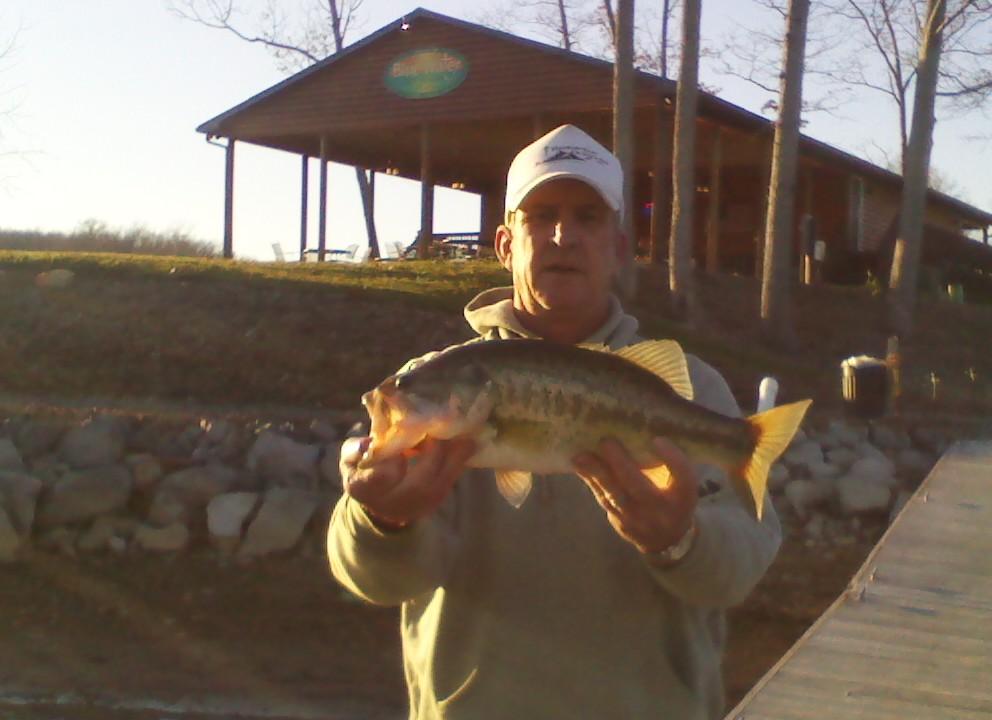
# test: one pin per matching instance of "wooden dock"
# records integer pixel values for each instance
(912, 635)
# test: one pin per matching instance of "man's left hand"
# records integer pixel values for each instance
(649, 517)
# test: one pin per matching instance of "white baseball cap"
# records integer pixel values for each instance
(565, 152)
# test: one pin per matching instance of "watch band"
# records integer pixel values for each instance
(673, 553)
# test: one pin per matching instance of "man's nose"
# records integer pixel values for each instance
(564, 234)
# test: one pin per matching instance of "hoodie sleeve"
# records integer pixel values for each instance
(388, 567)
(731, 551)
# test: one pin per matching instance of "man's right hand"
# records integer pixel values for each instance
(396, 492)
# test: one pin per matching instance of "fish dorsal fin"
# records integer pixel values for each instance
(663, 358)
(514, 485)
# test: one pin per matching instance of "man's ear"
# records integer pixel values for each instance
(504, 240)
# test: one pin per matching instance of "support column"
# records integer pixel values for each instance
(713, 211)
(538, 125)
(492, 212)
(661, 198)
(322, 230)
(304, 196)
(426, 194)
(229, 200)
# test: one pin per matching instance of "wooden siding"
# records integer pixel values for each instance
(912, 636)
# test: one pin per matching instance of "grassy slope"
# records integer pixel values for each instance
(217, 332)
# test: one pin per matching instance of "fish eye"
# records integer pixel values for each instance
(402, 382)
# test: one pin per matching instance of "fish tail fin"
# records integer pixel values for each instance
(514, 485)
(773, 430)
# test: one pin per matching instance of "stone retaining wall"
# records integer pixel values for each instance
(128, 485)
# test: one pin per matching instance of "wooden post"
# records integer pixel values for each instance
(322, 230)
(229, 200)
(661, 213)
(538, 125)
(491, 211)
(713, 211)
(426, 194)
(304, 196)
(623, 136)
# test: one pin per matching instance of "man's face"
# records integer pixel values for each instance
(563, 247)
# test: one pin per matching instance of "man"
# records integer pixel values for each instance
(601, 604)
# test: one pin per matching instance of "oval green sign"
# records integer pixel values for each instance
(426, 73)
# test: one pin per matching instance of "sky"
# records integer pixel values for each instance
(99, 101)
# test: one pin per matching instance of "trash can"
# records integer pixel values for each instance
(865, 386)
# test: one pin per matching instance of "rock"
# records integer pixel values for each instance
(802, 456)
(930, 439)
(49, 469)
(146, 471)
(181, 495)
(842, 457)
(860, 497)
(55, 279)
(823, 471)
(778, 478)
(330, 474)
(866, 449)
(99, 442)
(913, 463)
(799, 438)
(816, 526)
(19, 497)
(37, 437)
(84, 495)
(279, 523)
(10, 539)
(282, 462)
(215, 431)
(804, 494)
(226, 515)
(171, 538)
(10, 458)
(324, 432)
(888, 438)
(844, 434)
(97, 536)
(879, 470)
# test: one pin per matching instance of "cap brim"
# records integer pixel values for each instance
(561, 175)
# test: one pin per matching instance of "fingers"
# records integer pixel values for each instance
(683, 488)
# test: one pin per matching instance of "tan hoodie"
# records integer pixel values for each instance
(545, 612)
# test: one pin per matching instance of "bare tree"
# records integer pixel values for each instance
(906, 258)
(564, 22)
(684, 167)
(623, 128)
(754, 53)
(884, 53)
(776, 318)
(320, 32)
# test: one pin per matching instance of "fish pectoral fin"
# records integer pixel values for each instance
(659, 476)
(774, 430)
(663, 358)
(514, 485)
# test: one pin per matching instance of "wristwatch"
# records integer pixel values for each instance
(673, 553)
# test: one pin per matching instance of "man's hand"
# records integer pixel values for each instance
(651, 518)
(396, 492)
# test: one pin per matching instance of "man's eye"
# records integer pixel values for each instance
(590, 217)
(541, 217)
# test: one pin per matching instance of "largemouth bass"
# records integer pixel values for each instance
(531, 406)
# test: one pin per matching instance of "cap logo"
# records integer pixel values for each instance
(557, 153)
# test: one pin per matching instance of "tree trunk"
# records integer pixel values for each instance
(360, 177)
(623, 134)
(776, 315)
(684, 167)
(912, 213)
(566, 38)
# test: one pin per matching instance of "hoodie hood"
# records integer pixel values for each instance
(491, 314)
